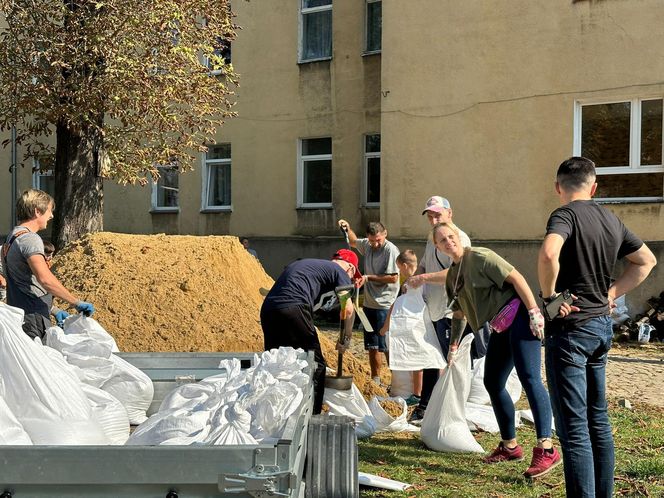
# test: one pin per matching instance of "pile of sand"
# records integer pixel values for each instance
(178, 293)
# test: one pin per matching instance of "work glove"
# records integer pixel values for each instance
(452, 355)
(536, 322)
(86, 308)
(342, 346)
(60, 317)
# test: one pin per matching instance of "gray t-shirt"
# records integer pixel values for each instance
(434, 261)
(24, 246)
(382, 261)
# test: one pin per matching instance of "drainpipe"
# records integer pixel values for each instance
(14, 178)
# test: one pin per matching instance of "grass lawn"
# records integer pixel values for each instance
(639, 438)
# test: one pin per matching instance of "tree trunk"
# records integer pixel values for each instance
(79, 191)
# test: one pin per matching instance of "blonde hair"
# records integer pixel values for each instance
(30, 201)
(444, 224)
(407, 257)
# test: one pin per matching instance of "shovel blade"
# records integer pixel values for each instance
(343, 383)
(364, 320)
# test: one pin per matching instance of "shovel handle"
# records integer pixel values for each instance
(344, 230)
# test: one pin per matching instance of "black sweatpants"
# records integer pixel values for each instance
(294, 327)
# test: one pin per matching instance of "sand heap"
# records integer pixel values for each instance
(177, 293)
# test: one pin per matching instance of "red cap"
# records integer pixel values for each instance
(349, 257)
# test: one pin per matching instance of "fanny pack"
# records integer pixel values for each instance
(504, 318)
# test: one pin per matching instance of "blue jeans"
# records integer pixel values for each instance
(576, 371)
(373, 340)
(518, 348)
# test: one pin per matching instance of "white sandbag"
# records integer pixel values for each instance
(11, 430)
(412, 342)
(444, 427)
(93, 359)
(44, 397)
(402, 383)
(180, 426)
(88, 346)
(84, 325)
(482, 417)
(271, 406)
(284, 364)
(110, 414)
(478, 393)
(386, 422)
(132, 387)
(186, 396)
(231, 427)
(352, 404)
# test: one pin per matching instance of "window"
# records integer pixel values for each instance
(373, 29)
(372, 170)
(165, 191)
(42, 176)
(223, 51)
(315, 30)
(217, 178)
(315, 173)
(624, 139)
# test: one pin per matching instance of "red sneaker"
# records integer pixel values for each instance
(503, 454)
(542, 462)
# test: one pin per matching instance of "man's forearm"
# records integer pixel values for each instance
(547, 273)
(54, 287)
(630, 279)
(383, 278)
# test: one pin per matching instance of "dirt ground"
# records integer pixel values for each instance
(187, 293)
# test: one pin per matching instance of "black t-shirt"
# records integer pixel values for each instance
(594, 240)
(303, 282)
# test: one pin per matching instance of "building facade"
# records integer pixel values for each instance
(362, 109)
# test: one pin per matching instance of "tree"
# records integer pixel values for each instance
(124, 85)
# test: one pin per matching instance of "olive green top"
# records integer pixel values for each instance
(480, 285)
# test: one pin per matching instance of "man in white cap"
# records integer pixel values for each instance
(431, 273)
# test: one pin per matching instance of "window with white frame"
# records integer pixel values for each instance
(624, 139)
(372, 170)
(374, 26)
(217, 178)
(42, 176)
(315, 30)
(315, 172)
(165, 191)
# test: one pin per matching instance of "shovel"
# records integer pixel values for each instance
(342, 382)
(366, 325)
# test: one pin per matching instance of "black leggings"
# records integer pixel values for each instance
(294, 327)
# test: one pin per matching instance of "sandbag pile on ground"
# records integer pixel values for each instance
(45, 398)
(235, 407)
(85, 344)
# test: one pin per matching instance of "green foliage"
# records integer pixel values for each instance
(131, 74)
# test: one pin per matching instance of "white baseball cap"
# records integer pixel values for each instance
(436, 204)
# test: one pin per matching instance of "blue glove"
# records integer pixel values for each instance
(60, 318)
(86, 308)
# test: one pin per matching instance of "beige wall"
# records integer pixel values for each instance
(474, 101)
(279, 101)
(481, 102)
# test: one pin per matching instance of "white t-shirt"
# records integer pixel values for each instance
(434, 261)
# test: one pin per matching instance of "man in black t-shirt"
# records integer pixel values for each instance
(287, 314)
(582, 244)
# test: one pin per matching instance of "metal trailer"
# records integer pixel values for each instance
(315, 458)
